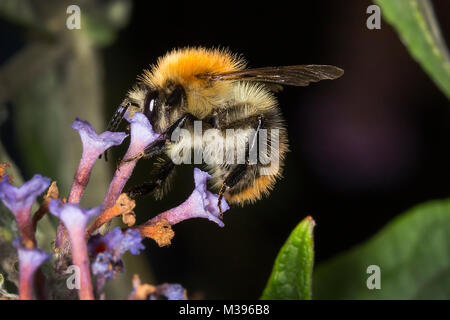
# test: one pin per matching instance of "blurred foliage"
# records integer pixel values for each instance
(3, 292)
(54, 78)
(412, 252)
(57, 76)
(292, 271)
(8, 231)
(7, 223)
(417, 27)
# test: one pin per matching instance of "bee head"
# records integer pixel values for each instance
(164, 106)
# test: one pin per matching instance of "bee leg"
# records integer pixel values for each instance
(118, 117)
(150, 186)
(230, 181)
(240, 170)
(222, 190)
(159, 145)
(115, 122)
(180, 123)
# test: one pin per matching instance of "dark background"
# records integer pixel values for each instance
(364, 148)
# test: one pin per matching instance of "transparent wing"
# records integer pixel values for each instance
(301, 75)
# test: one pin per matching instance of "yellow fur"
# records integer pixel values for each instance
(261, 187)
(254, 95)
(181, 66)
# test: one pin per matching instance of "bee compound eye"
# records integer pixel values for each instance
(150, 102)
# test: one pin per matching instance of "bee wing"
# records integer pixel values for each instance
(301, 75)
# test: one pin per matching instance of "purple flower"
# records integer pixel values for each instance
(72, 215)
(142, 135)
(200, 204)
(30, 259)
(105, 267)
(75, 219)
(131, 242)
(108, 250)
(208, 206)
(169, 291)
(95, 144)
(20, 200)
(117, 242)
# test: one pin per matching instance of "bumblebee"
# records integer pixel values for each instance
(215, 87)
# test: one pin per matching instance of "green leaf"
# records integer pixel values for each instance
(292, 271)
(412, 252)
(417, 27)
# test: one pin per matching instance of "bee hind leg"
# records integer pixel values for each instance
(240, 170)
(230, 181)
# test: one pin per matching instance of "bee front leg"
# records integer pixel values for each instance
(160, 144)
(115, 121)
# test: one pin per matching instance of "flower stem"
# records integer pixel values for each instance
(121, 177)
(80, 258)
(30, 259)
(142, 135)
(174, 215)
(25, 226)
(81, 178)
(26, 280)
(80, 181)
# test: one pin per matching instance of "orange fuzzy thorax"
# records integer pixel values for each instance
(182, 67)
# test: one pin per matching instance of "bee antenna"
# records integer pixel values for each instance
(115, 121)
